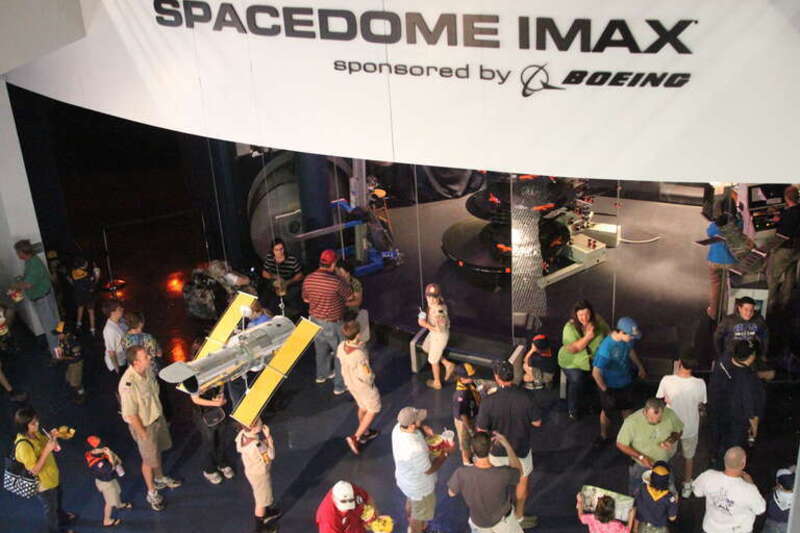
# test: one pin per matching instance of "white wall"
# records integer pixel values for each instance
(735, 120)
(17, 216)
(30, 28)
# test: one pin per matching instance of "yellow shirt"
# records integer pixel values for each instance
(29, 456)
(138, 395)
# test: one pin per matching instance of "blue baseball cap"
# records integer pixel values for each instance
(628, 325)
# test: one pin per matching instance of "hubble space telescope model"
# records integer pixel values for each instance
(272, 348)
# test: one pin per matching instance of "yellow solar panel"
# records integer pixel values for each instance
(271, 377)
(257, 397)
(226, 324)
(294, 346)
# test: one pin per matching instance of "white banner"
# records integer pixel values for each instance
(681, 90)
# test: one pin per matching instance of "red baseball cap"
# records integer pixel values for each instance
(328, 257)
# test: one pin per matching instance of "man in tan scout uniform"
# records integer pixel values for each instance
(141, 409)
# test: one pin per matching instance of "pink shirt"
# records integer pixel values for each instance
(595, 526)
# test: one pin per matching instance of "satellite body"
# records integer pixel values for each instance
(246, 351)
(273, 348)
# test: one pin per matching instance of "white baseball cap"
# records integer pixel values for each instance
(343, 496)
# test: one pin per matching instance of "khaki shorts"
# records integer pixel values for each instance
(110, 491)
(509, 524)
(367, 398)
(464, 436)
(157, 441)
(527, 463)
(74, 374)
(261, 482)
(434, 345)
(424, 509)
(688, 447)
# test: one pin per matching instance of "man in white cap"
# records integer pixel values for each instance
(340, 511)
(415, 472)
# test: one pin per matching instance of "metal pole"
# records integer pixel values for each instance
(205, 236)
(358, 197)
(108, 256)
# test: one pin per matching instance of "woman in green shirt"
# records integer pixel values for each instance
(582, 334)
(34, 449)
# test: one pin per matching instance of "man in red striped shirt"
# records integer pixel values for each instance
(326, 293)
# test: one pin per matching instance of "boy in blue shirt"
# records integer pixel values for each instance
(613, 372)
(719, 259)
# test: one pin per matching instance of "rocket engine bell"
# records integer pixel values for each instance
(249, 350)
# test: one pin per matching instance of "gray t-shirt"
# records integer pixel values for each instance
(488, 492)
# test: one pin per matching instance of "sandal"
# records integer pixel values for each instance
(126, 506)
(114, 523)
(432, 384)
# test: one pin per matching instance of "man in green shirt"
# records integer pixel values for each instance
(38, 289)
(647, 436)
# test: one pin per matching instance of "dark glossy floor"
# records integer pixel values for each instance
(309, 423)
(309, 427)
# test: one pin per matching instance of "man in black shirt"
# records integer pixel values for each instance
(736, 400)
(488, 490)
(782, 262)
(512, 412)
(282, 273)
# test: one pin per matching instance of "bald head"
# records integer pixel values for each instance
(791, 194)
(735, 458)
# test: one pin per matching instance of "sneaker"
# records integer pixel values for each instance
(339, 392)
(528, 521)
(17, 396)
(573, 415)
(167, 482)
(332, 375)
(271, 515)
(686, 492)
(215, 478)
(369, 435)
(155, 500)
(320, 380)
(353, 443)
(228, 472)
(600, 442)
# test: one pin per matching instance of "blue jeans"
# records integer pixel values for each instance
(771, 526)
(325, 344)
(47, 311)
(54, 515)
(576, 379)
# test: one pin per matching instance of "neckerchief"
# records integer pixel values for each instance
(656, 494)
(470, 387)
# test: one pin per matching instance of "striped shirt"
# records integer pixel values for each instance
(288, 269)
(326, 293)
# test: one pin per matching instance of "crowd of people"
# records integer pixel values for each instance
(494, 419)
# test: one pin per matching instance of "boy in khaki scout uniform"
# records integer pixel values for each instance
(141, 409)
